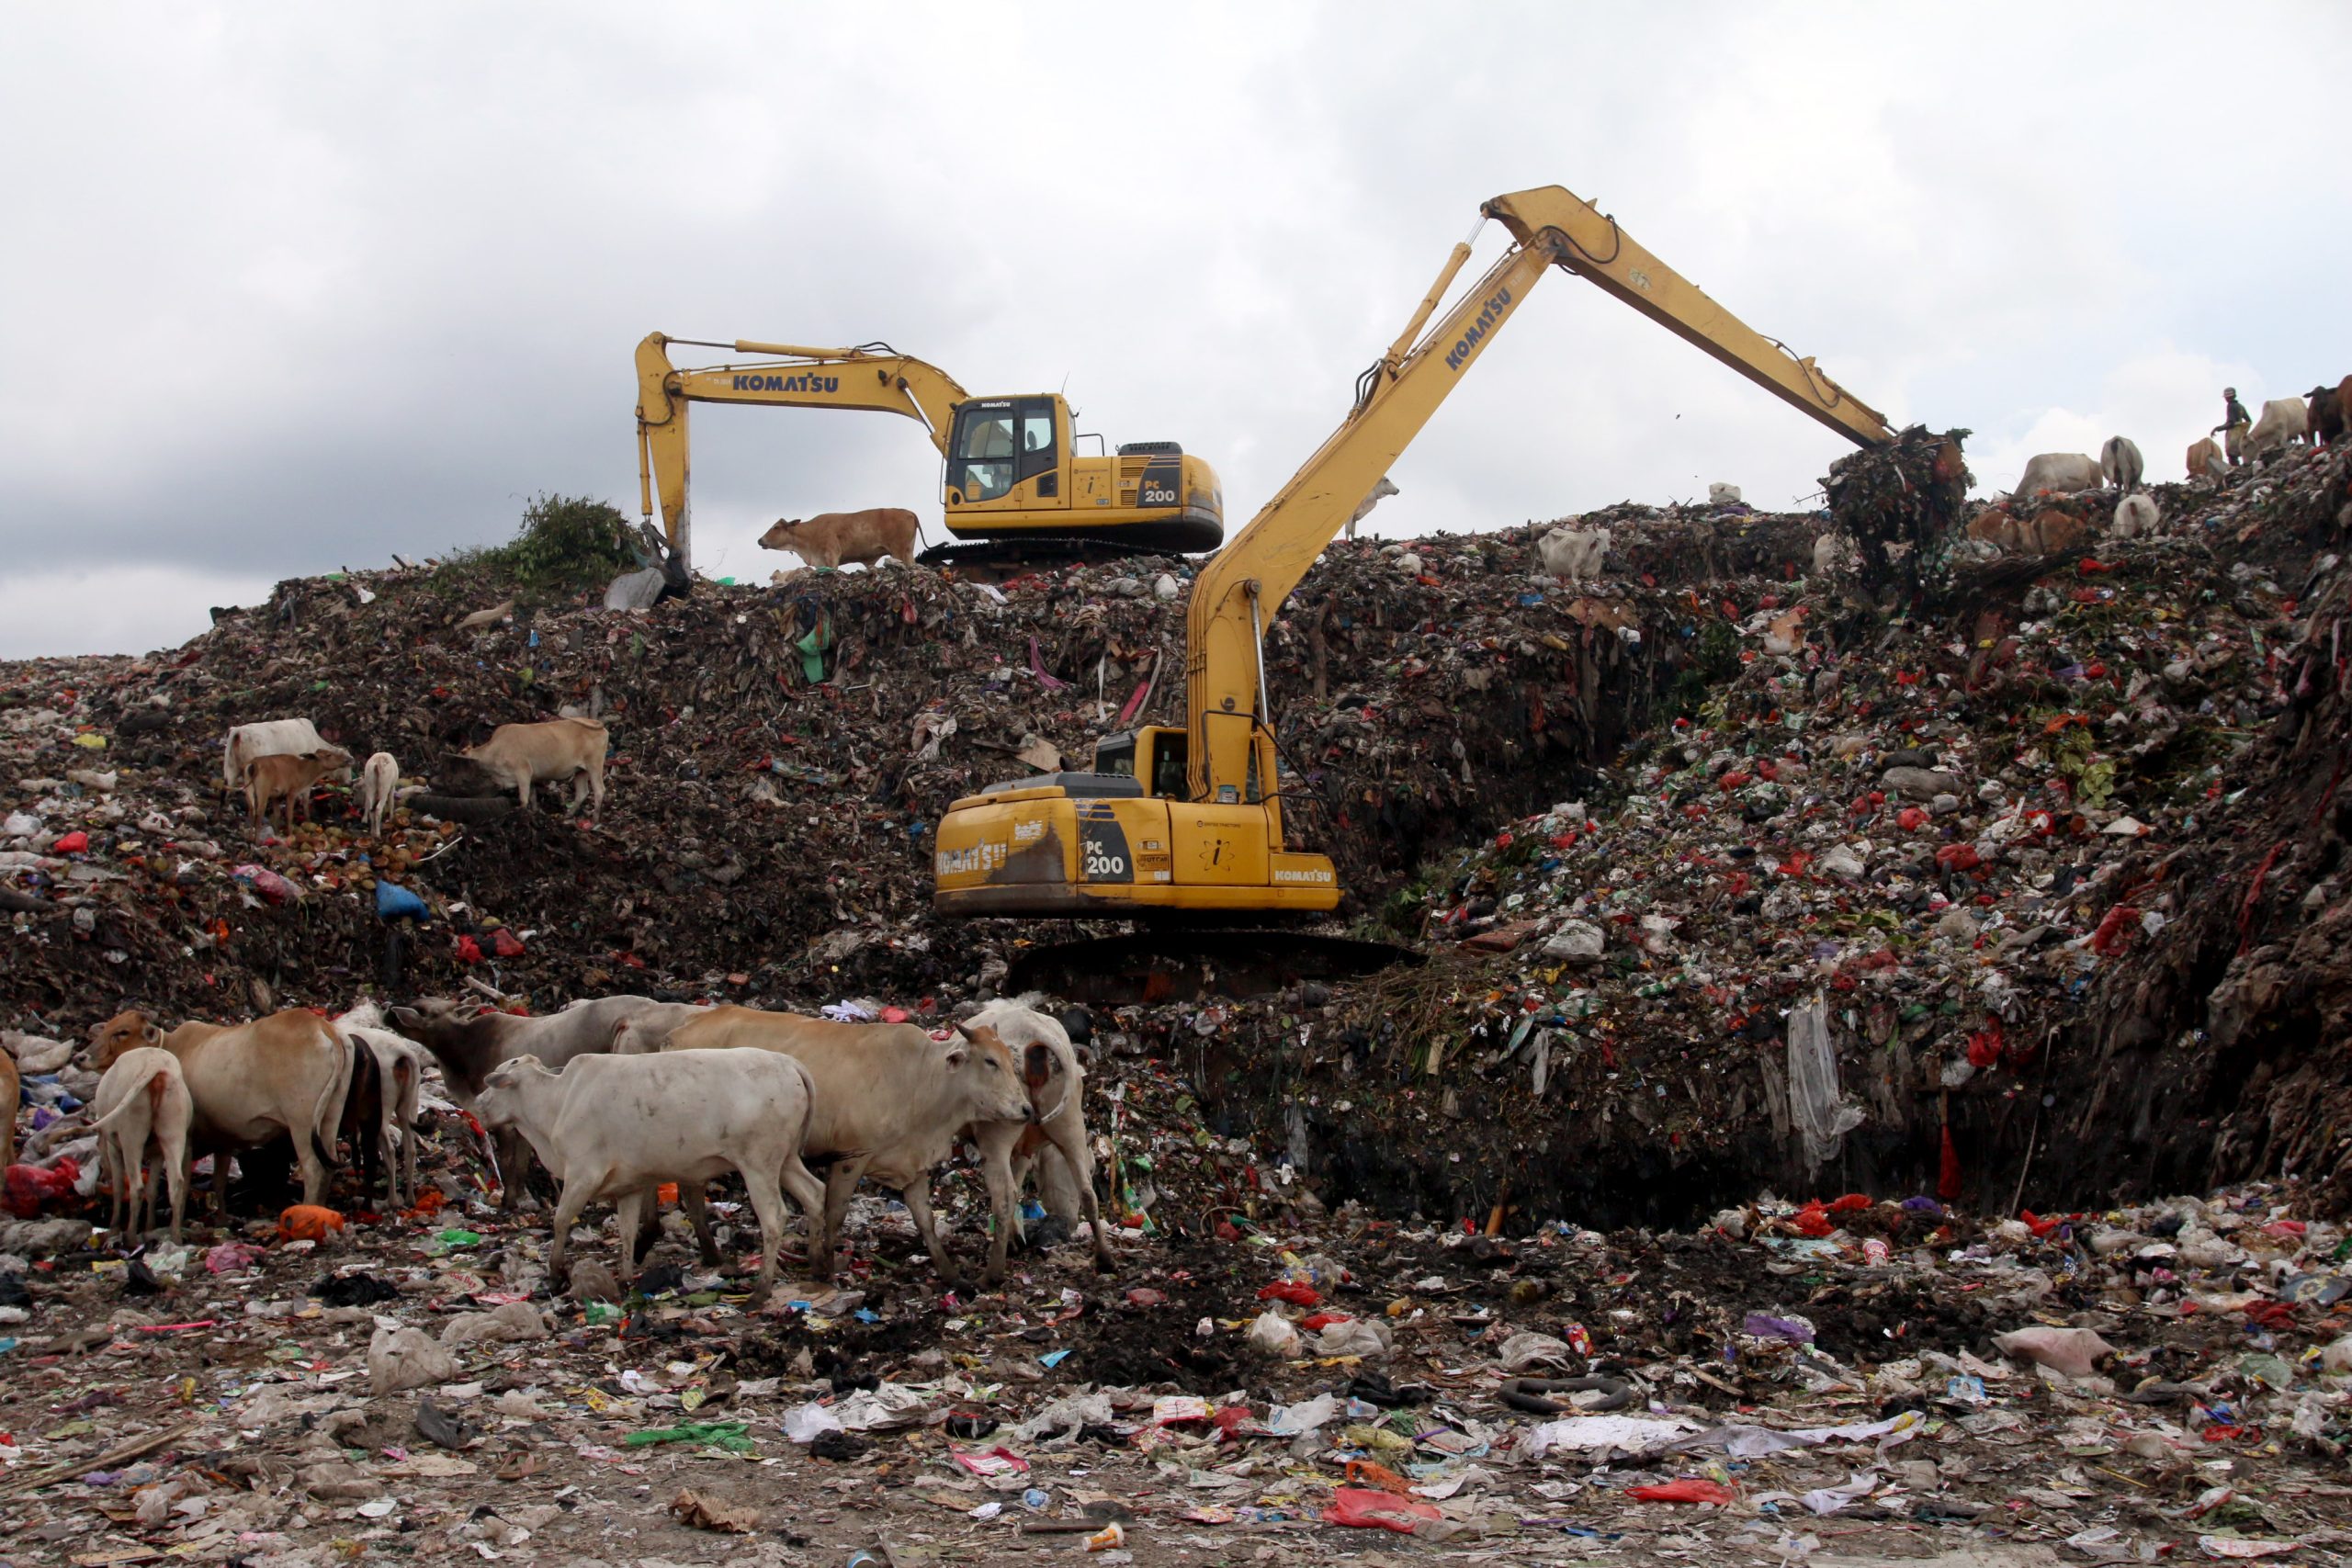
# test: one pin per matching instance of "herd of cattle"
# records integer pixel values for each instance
(279, 760)
(2019, 523)
(614, 1097)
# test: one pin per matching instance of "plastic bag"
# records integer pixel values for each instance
(27, 1187)
(1271, 1335)
(510, 1324)
(1366, 1508)
(308, 1222)
(405, 1358)
(1822, 1116)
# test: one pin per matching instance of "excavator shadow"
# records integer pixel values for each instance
(1178, 965)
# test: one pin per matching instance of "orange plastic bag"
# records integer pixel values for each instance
(308, 1222)
(1379, 1510)
(1380, 1475)
(668, 1193)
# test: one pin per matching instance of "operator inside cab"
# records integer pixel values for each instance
(991, 458)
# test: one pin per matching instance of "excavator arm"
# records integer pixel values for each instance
(873, 377)
(1237, 593)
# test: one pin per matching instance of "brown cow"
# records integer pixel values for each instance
(847, 538)
(2048, 532)
(290, 778)
(11, 1096)
(2327, 413)
(2206, 462)
(286, 1074)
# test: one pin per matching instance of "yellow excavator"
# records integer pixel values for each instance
(1188, 821)
(1017, 489)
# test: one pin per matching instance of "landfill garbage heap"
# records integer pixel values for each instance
(1730, 879)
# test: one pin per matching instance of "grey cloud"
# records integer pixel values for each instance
(291, 288)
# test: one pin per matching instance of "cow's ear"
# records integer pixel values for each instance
(154, 1035)
(957, 1055)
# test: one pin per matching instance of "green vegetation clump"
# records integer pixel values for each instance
(566, 544)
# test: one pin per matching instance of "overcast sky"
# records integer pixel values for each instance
(290, 287)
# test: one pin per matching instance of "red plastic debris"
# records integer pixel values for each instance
(1959, 857)
(1912, 818)
(2113, 937)
(1364, 1508)
(73, 843)
(27, 1187)
(1291, 1290)
(1689, 1489)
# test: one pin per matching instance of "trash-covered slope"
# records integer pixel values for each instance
(1983, 833)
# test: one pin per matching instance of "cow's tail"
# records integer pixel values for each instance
(326, 1117)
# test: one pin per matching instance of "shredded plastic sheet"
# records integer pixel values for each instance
(1823, 1117)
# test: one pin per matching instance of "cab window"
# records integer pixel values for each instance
(1168, 754)
(1037, 453)
(984, 455)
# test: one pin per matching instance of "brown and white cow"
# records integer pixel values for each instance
(284, 1075)
(846, 539)
(890, 1103)
(468, 1039)
(613, 1127)
(1056, 1081)
(521, 756)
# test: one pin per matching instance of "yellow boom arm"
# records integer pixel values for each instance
(872, 377)
(1242, 588)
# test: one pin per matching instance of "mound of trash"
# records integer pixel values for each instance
(1648, 826)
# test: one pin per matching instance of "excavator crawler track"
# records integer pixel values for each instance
(1008, 557)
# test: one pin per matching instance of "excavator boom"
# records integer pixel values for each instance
(1591, 245)
(1188, 822)
(874, 378)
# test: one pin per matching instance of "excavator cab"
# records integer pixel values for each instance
(1155, 756)
(1014, 473)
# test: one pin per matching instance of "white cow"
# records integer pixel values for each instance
(1573, 554)
(2282, 419)
(1380, 492)
(2059, 472)
(2136, 516)
(144, 1103)
(2120, 463)
(380, 780)
(614, 1127)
